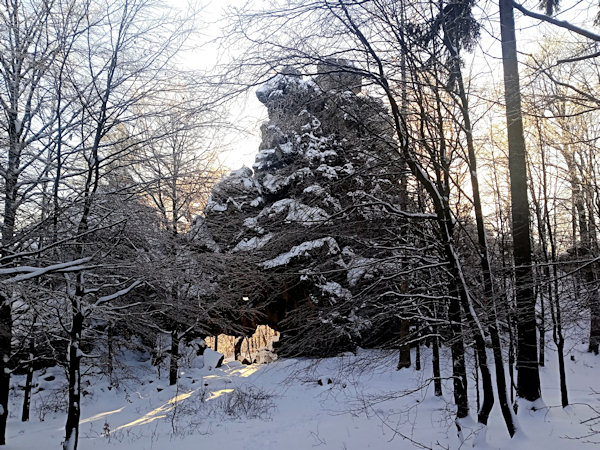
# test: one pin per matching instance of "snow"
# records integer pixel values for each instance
(211, 359)
(296, 212)
(336, 290)
(252, 224)
(253, 243)
(257, 202)
(274, 183)
(263, 158)
(303, 249)
(29, 272)
(287, 148)
(266, 90)
(213, 206)
(351, 401)
(314, 189)
(327, 172)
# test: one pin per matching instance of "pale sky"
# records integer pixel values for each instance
(240, 147)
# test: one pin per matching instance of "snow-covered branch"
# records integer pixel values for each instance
(29, 272)
(108, 298)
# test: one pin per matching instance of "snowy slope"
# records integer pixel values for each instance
(347, 402)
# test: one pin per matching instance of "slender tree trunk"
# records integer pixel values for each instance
(528, 378)
(28, 383)
(584, 247)
(8, 228)
(5, 354)
(109, 344)
(74, 409)
(445, 222)
(404, 353)
(477, 391)
(489, 296)
(435, 361)
(594, 300)
(418, 355)
(511, 358)
(174, 360)
(459, 373)
(555, 308)
(465, 302)
(542, 328)
(237, 347)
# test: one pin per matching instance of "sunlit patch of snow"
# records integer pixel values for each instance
(219, 393)
(157, 413)
(101, 415)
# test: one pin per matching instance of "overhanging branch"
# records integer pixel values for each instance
(559, 23)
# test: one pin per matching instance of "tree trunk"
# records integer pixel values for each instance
(74, 409)
(418, 356)
(237, 347)
(435, 362)
(28, 383)
(459, 374)
(8, 228)
(404, 353)
(109, 344)
(594, 320)
(5, 353)
(528, 378)
(489, 297)
(466, 303)
(174, 360)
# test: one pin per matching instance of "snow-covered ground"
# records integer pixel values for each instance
(348, 402)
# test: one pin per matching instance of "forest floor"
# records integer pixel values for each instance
(347, 402)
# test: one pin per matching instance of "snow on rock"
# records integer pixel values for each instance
(233, 190)
(253, 243)
(264, 356)
(287, 148)
(274, 183)
(212, 359)
(327, 172)
(295, 212)
(214, 206)
(304, 249)
(264, 91)
(314, 189)
(277, 86)
(265, 159)
(252, 224)
(277, 184)
(333, 289)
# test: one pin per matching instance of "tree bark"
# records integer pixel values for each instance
(528, 379)
(404, 353)
(459, 374)
(435, 362)
(489, 297)
(74, 409)
(28, 383)
(174, 360)
(5, 354)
